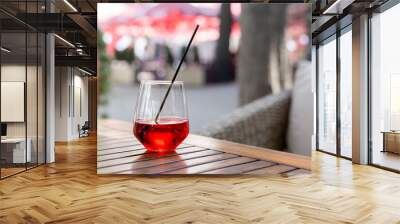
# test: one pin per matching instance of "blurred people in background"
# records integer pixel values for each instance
(155, 61)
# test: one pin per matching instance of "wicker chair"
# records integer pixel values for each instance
(262, 122)
(282, 122)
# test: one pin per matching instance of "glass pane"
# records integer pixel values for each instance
(22, 89)
(327, 97)
(314, 75)
(13, 86)
(41, 99)
(385, 84)
(346, 94)
(31, 97)
(32, 87)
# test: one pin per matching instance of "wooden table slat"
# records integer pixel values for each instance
(118, 167)
(113, 144)
(291, 159)
(118, 145)
(141, 151)
(119, 149)
(212, 165)
(242, 168)
(105, 138)
(119, 155)
(101, 138)
(147, 156)
(130, 148)
(181, 164)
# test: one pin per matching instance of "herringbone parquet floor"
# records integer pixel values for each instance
(69, 191)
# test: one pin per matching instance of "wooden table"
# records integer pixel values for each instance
(120, 153)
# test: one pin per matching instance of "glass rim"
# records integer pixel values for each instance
(160, 82)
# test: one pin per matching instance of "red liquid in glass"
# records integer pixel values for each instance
(162, 137)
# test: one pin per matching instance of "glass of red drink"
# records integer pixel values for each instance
(165, 133)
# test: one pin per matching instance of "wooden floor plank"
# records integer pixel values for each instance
(242, 168)
(70, 191)
(278, 169)
(296, 172)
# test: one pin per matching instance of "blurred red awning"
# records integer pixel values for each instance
(174, 21)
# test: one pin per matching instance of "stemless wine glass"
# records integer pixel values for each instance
(172, 124)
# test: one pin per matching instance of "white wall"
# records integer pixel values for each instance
(80, 94)
(62, 81)
(70, 83)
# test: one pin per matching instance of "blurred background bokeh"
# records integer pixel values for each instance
(240, 53)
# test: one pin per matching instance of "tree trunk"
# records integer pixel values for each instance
(262, 64)
(222, 66)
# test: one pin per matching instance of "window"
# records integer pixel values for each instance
(385, 89)
(346, 93)
(327, 96)
(333, 137)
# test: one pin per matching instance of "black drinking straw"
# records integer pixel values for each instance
(176, 74)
